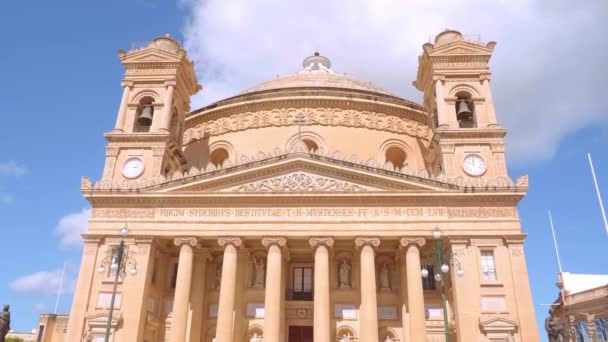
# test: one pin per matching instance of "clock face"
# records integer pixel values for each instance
(474, 165)
(133, 168)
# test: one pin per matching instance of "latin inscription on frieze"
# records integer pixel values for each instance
(308, 213)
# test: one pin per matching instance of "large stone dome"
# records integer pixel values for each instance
(317, 73)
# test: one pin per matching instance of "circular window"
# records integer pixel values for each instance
(310, 145)
(218, 157)
(396, 156)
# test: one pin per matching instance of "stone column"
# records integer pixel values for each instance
(225, 322)
(591, 327)
(122, 109)
(322, 309)
(84, 286)
(181, 301)
(197, 295)
(167, 109)
(272, 301)
(368, 311)
(443, 115)
(415, 293)
(489, 103)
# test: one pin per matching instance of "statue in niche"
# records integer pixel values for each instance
(259, 272)
(88, 335)
(255, 338)
(345, 338)
(218, 276)
(344, 275)
(554, 327)
(385, 284)
(5, 322)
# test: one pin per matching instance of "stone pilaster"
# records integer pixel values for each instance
(82, 294)
(322, 309)
(122, 109)
(272, 300)
(225, 322)
(368, 311)
(415, 293)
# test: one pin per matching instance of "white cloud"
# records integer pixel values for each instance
(6, 198)
(548, 66)
(44, 283)
(12, 168)
(71, 226)
(40, 308)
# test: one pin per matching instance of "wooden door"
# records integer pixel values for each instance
(300, 334)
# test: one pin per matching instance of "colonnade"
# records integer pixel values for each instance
(413, 307)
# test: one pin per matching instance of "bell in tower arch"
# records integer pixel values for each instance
(145, 118)
(464, 115)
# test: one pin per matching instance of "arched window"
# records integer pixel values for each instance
(144, 115)
(396, 156)
(465, 110)
(218, 157)
(310, 145)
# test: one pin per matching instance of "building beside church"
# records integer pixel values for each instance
(580, 313)
(50, 328)
(304, 209)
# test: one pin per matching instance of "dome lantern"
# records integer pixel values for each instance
(317, 63)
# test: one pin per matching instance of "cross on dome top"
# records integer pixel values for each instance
(317, 63)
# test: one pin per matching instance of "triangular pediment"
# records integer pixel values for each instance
(298, 174)
(498, 323)
(151, 55)
(462, 48)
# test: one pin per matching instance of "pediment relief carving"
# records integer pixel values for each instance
(462, 48)
(300, 182)
(151, 55)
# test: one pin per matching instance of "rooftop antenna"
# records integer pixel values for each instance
(599, 196)
(559, 263)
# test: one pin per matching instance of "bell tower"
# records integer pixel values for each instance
(454, 75)
(146, 141)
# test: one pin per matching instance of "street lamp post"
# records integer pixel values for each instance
(118, 263)
(442, 262)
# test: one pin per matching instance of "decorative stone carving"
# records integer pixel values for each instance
(315, 116)
(299, 181)
(344, 274)
(85, 184)
(186, 240)
(235, 241)
(362, 241)
(317, 241)
(522, 181)
(269, 241)
(405, 242)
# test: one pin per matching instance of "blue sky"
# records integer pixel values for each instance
(61, 90)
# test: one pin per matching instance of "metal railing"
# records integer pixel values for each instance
(306, 295)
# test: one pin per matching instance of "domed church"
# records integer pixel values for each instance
(312, 207)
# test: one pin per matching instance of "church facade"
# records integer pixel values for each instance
(312, 207)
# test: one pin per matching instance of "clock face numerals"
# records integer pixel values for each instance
(133, 168)
(474, 165)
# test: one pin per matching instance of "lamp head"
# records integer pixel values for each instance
(124, 231)
(437, 233)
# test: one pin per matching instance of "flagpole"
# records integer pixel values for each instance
(60, 288)
(559, 263)
(599, 196)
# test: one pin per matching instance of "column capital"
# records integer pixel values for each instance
(269, 241)
(229, 240)
(193, 242)
(408, 241)
(126, 84)
(318, 241)
(371, 241)
(170, 83)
